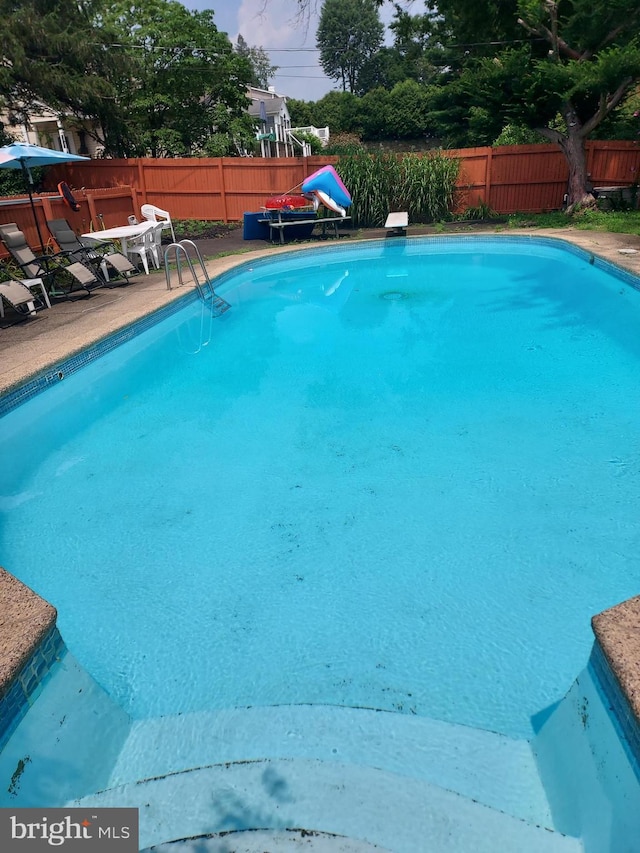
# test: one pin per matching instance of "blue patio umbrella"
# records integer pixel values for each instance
(22, 156)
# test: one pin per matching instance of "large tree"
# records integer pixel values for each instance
(262, 71)
(144, 77)
(57, 52)
(418, 46)
(188, 89)
(560, 67)
(349, 33)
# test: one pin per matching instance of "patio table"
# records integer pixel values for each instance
(120, 232)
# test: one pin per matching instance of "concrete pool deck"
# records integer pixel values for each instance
(32, 347)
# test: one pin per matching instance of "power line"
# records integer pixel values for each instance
(452, 46)
(183, 48)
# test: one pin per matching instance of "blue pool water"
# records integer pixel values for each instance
(395, 476)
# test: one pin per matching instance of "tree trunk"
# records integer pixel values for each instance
(574, 150)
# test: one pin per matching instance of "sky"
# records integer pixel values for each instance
(276, 26)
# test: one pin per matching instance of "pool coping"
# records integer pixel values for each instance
(617, 633)
(28, 624)
(29, 645)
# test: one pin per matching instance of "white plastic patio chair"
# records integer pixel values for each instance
(157, 245)
(145, 247)
(156, 214)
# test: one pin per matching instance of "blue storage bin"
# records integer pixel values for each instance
(253, 229)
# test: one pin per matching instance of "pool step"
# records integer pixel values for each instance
(257, 841)
(494, 770)
(360, 803)
(51, 756)
(366, 777)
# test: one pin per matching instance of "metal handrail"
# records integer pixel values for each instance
(205, 289)
(179, 249)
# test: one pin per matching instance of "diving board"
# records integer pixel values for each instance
(397, 222)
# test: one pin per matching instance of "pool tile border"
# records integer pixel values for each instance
(15, 397)
(27, 684)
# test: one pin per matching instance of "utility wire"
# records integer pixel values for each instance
(183, 48)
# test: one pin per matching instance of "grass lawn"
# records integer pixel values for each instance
(617, 221)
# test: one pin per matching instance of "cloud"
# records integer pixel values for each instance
(275, 24)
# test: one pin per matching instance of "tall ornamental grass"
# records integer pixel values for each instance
(424, 186)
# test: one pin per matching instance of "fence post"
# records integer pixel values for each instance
(48, 210)
(487, 177)
(142, 184)
(93, 213)
(223, 192)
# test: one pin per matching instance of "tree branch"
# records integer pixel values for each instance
(550, 134)
(546, 33)
(615, 32)
(606, 106)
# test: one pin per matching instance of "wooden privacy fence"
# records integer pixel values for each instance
(508, 179)
(533, 178)
(113, 205)
(209, 188)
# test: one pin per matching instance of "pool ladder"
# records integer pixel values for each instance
(205, 287)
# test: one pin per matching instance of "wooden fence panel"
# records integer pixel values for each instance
(613, 163)
(191, 189)
(95, 174)
(209, 188)
(473, 182)
(527, 178)
(111, 206)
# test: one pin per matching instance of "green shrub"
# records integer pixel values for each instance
(344, 144)
(313, 140)
(515, 134)
(479, 211)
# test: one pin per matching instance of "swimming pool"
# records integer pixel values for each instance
(399, 477)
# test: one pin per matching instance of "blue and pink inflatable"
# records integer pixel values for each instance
(325, 187)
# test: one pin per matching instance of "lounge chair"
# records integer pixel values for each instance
(17, 295)
(61, 274)
(156, 214)
(102, 260)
